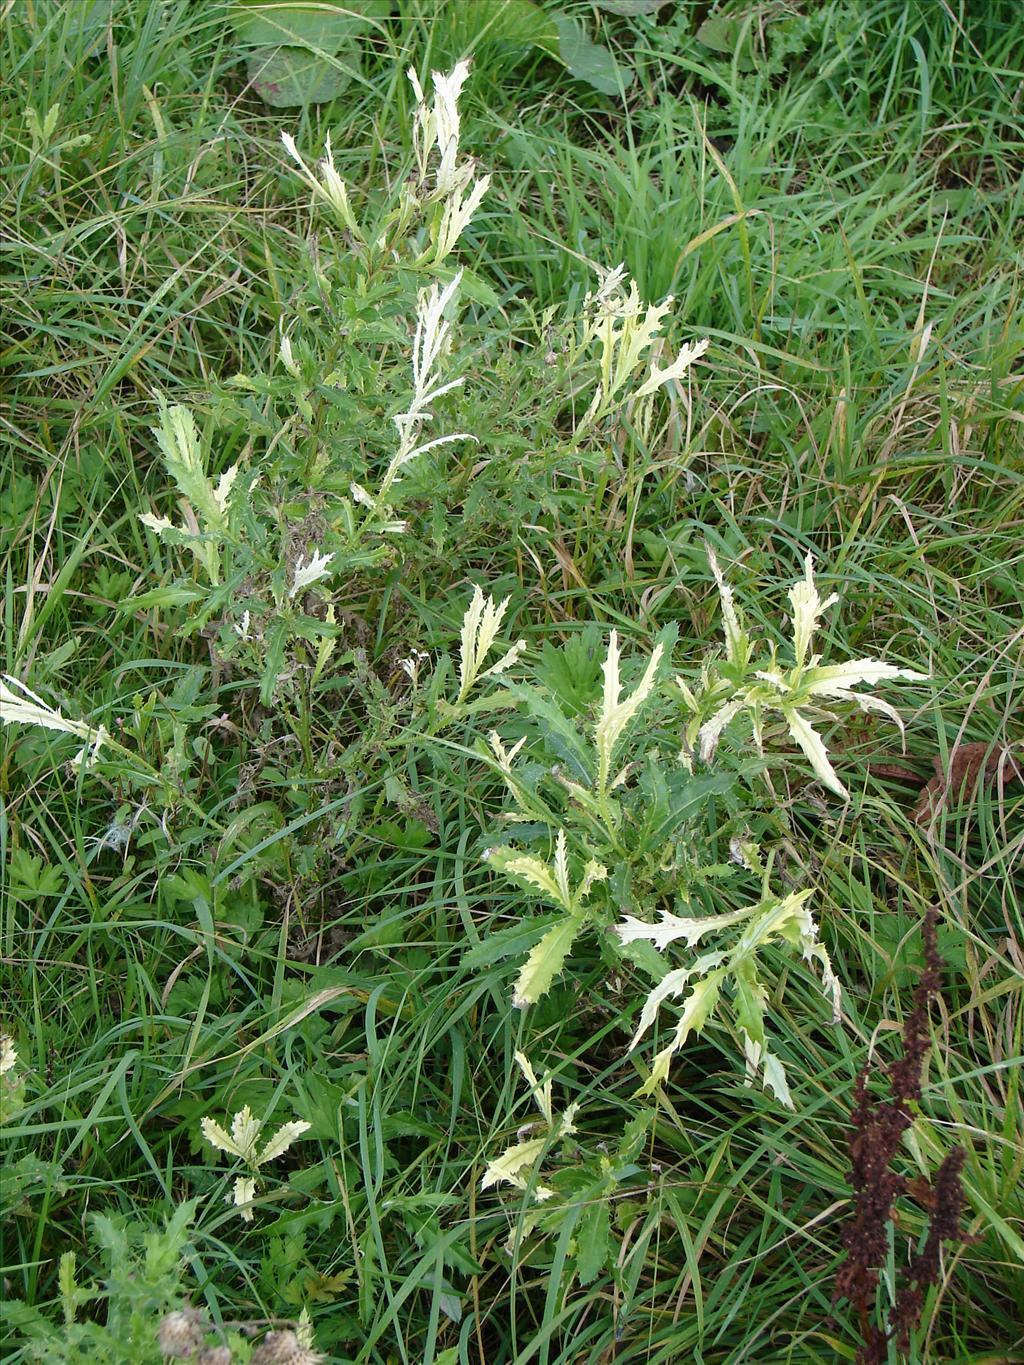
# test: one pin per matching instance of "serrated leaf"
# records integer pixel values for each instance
(697, 1010)
(281, 1141)
(559, 734)
(506, 1168)
(571, 672)
(169, 596)
(533, 871)
(814, 748)
(512, 941)
(275, 642)
(592, 1241)
(617, 714)
(545, 962)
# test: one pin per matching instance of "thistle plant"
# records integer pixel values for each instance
(142, 1313)
(19, 705)
(627, 823)
(737, 686)
(12, 1080)
(243, 1142)
(455, 195)
(626, 332)
(206, 507)
(266, 543)
(480, 626)
(552, 879)
(784, 920)
(519, 1164)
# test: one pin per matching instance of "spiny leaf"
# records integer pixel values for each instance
(545, 962)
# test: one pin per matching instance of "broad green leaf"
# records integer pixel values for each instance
(588, 61)
(275, 643)
(326, 25)
(571, 672)
(290, 77)
(631, 7)
(546, 962)
(560, 735)
(730, 35)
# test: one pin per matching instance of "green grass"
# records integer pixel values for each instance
(290, 931)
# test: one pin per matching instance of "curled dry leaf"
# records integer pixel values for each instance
(970, 765)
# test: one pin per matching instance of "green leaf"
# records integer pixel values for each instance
(631, 7)
(592, 1241)
(587, 61)
(510, 942)
(29, 877)
(560, 735)
(729, 34)
(325, 25)
(750, 1001)
(545, 962)
(572, 671)
(670, 799)
(274, 643)
(171, 596)
(287, 77)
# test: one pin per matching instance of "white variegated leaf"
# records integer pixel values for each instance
(245, 1191)
(808, 608)
(281, 1141)
(615, 714)
(737, 645)
(834, 680)
(217, 1137)
(813, 746)
(562, 868)
(675, 370)
(506, 1168)
(672, 927)
(673, 984)
(697, 1009)
(775, 1079)
(530, 869)
(541, 1092)
(545, 962)
(245, 1129)
(306, 574)
(711, 731)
